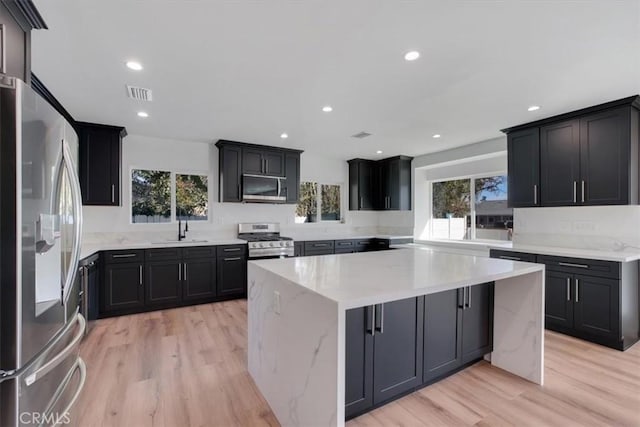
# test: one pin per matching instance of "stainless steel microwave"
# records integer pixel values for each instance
(261, 188)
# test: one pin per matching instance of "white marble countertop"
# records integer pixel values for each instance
(360, 279)
(625, 255)
(307, 236)
(88, 249)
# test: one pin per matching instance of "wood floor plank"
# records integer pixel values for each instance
(188, 367)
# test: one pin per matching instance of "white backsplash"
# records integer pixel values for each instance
(584, 227)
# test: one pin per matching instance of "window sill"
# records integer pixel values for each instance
(467, 244)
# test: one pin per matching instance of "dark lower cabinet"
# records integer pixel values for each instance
(232, 275)
(383, 353)
(359, 361)
(442, 343)
(597, 306)
(458, 329)
(123, 287)
(588, 306)
(397, 349)
(558, 305)
(164, 283)
(199, 279)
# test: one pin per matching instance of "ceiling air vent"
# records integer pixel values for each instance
(139, 93)
(361, 135)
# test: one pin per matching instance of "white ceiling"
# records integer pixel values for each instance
(250, 70)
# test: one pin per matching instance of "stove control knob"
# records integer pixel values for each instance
(263, 245)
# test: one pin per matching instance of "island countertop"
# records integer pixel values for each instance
(360, 279)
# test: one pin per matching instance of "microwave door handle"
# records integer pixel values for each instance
(279, 187)
(77, 220)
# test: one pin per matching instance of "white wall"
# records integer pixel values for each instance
(485, 158)
(584, 227)
(107, 223)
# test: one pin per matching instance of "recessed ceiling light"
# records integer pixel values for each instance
(533, 108)
(412, 56)
(284, 136)
(143, 114)
(136, 66)
(327, 109)
(379, 152)
(437, 135)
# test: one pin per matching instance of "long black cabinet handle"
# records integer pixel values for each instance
(233, 259)
(469, 297)
(570, 264)
(379, 318)
(568, 288)
(232, 249)
(371, 316)
(461, 298)
(124, 256)
(577, 295)
(512, 258)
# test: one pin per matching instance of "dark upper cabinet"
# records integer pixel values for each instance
(395, 184)
(100, 154)
(587, 157)
(230, 164)
(238, 158)
(380, 185)
(123, 287)
(523, 148)
(458, 328)
(164, 282)
(605, 158)
(292, 174)
(362, 184)
(18, 19)
(263, 162)
(560, 163)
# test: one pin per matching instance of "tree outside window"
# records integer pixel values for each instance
(458, 215)
(327, 202)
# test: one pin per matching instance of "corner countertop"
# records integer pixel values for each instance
(361, 279)
(625, 255)
(308, 236)
(89, 249)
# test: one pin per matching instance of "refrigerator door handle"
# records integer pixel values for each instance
(80, 367)
(58, 358)
(77, 213)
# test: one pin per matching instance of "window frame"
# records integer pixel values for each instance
(172, 183)
(472, 202)
(320, 183)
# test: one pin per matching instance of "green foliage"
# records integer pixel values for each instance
(307, 205)
(192, 196)
(151, 193)
(454, 197)
(330, 203)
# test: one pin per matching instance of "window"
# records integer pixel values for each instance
(327, 202)
(150, 196)
(459, 215)
(192, 197)
(153, 199)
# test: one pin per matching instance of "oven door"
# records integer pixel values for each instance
(257, 188)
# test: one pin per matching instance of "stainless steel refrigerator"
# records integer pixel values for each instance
(41, 373)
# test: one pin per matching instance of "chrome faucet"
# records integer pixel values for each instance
(182, 234)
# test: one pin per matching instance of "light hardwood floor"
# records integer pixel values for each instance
(187, 367)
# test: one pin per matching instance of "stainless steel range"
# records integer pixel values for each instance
(265, 240)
